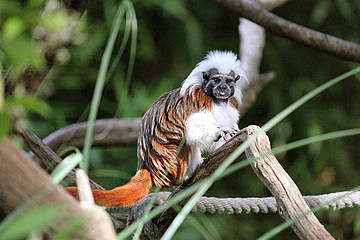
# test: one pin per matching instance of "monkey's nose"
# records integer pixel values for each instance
(222, 87)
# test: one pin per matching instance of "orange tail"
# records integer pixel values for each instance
(127, 195)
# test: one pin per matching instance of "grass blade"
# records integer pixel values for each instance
(100, 85)
(24, 223)
(134, 29)
(2, 90)
(66, 166)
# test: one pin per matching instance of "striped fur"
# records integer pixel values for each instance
(163, 129)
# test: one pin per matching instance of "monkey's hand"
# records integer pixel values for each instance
(224, 136)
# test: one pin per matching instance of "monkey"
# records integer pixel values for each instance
(181, 125)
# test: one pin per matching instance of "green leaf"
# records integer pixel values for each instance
(23, 51)
(2, 89)
(55, 21)
(36, 3)
(5, 125)
(30, 103)
(345, 9)
(320, 12)
(35, 219)
(66, 166)
(12, 28)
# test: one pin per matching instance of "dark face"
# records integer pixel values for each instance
(220, 87)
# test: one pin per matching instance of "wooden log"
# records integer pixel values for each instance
(21, 180)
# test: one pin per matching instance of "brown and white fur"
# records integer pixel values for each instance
(178, 127)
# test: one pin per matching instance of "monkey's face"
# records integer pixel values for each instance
(218, 86)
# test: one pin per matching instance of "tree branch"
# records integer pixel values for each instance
(291, 204)
(308, 37)
(47, 157)
(107, 132)
(21, 180)
(252, 42)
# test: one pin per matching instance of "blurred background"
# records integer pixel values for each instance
(172, 36)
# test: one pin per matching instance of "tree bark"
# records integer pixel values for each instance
(21, 180)
(291, 204)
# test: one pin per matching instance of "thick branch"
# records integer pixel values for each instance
(107, 132)
(308, 37)
(288, 197)
(252, 42)
(21, 180)
(47, 157)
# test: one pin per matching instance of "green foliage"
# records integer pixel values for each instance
(34, 219)
(17, 47)
(154, 52)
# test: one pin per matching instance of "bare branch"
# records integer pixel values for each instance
(107, 132)
(288, 197)
(271, 4)
(308, 37)
(47, 157)
(252, 42)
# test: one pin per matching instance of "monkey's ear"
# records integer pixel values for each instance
(237, 78)
(206, 75)
(232, 73)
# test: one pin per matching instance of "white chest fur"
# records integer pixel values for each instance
(224, 115)
(203, 128)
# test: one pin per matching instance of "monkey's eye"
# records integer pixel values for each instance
(229, 80)
(216, 80)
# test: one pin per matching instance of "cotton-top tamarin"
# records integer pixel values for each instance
(179, 126)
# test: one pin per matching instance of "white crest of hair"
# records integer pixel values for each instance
(224, 62)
